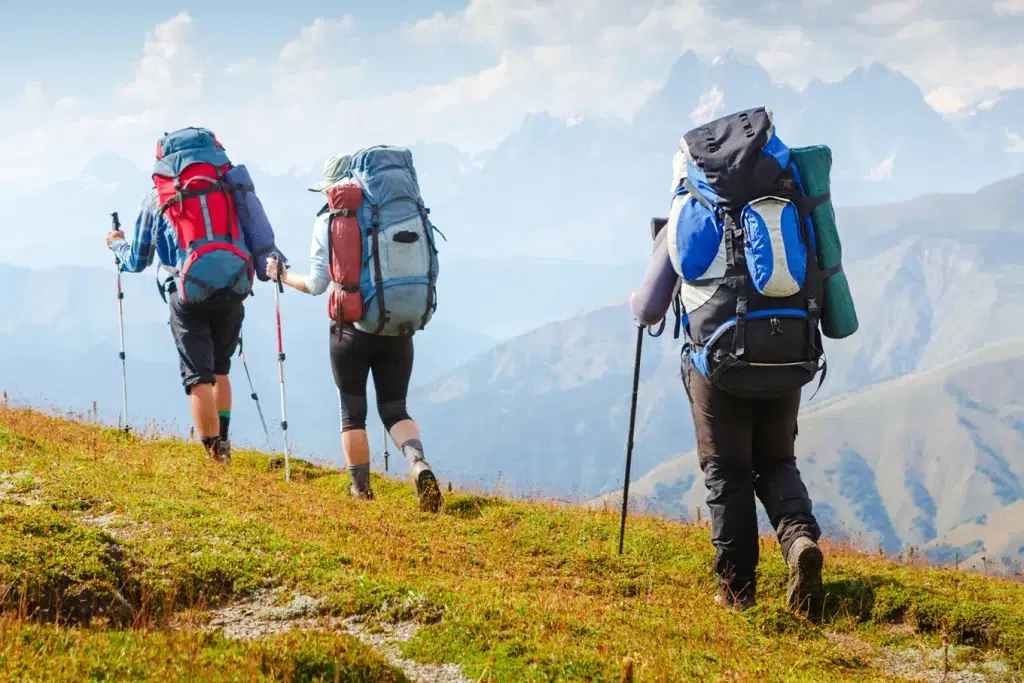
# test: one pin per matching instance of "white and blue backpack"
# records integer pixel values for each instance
(742, 241)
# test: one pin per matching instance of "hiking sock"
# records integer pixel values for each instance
(225, 420)
(360, 476)
(413, 451)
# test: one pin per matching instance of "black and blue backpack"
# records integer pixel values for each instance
(743, 243)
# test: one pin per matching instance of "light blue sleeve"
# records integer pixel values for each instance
(319, 277)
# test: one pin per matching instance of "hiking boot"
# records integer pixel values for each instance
(224, 451)
(726, 598)
(427, 488)
(805, 591)
(362, 494)
(213, 449)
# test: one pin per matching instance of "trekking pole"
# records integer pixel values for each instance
(629, 440)
(386, 437)
(280, 372)
(252, 389)
(116, 224)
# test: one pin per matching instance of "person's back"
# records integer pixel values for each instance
(751, 341)
(372, 321)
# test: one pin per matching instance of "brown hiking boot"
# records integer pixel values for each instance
(428, 491)
(805, 592)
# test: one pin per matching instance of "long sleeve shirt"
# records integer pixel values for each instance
(319, 277)
(651, 302)
(153, 235)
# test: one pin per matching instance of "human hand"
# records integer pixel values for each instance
(114, 236)
(273, 268)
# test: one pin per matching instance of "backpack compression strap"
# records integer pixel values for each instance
(378, 276)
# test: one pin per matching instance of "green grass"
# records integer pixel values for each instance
(112, 550)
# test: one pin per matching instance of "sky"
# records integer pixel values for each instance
(290, 82)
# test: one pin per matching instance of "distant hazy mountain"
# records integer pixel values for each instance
(934, 460)
(584, 189)
(549, 410)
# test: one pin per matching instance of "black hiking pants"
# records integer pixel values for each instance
(746, 448)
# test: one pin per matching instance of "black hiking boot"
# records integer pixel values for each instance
(213, 448)
(427, 488)
(735, 601)
(805, 592)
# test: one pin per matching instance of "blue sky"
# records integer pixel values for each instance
(292, 78)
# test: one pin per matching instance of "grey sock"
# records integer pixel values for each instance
(360, 475)
(413, 451)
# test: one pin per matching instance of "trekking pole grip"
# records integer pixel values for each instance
(280, 269)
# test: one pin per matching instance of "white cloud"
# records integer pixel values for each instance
(1014, 143)
(168, 66)
(574, 59)
(945, 100)
(710, 104)
(887, 13)
(312, 65)
(882, 171)
(1009, 7)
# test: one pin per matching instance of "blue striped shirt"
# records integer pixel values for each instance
(152, 234)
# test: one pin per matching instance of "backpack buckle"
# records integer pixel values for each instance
(776, 327)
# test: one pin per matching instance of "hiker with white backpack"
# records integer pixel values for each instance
(373, 246)
(208, 230)
(749, 258)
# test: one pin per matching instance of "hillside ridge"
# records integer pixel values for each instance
(181, 568)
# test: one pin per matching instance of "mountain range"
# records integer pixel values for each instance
(583, 188)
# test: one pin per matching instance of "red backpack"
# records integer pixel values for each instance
(214, 260)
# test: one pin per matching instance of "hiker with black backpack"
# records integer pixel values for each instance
(208, 229)
(739, 260)
(373, 245)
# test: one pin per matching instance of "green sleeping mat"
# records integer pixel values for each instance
(839, 317)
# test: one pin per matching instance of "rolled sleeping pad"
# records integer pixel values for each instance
(839, 316)
(253, 221)
(346, 242)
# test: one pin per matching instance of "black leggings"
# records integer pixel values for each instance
(354, 354)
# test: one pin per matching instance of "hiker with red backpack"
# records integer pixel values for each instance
(373, 244)
(208, 229)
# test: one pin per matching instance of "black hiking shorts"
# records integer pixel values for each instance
(206, 335)
(354, 355)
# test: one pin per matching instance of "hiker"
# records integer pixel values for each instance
(375, 306)
(752, 340)
(207, 228)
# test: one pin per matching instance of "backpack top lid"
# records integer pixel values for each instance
(386, 173)
(736, 158)
(181, 148)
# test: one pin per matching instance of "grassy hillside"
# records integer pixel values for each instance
(139, 559)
